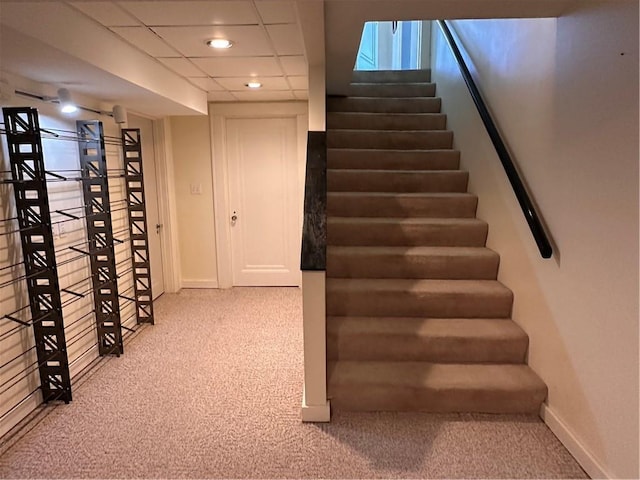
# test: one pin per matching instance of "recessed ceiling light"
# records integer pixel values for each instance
(253, 84)
(220, 43)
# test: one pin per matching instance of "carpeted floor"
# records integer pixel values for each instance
(213, 390)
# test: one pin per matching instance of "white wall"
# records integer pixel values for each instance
(565, 94)
(192, 168)
(79, 322)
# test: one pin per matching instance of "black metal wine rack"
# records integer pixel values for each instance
(134, 181)
(34, 219)
(95, 187)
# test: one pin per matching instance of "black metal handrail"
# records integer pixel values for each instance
(527, 206)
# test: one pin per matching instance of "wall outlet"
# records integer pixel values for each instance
(196, 189)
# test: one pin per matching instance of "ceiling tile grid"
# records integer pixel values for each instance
(267, 43)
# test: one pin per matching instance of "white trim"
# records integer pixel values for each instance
(221, 199)
(572, 443)
(218, 115)
(315, 413)
(199, 283)
(314, 339)
(167, 205)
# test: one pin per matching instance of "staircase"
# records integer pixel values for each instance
(416, 319)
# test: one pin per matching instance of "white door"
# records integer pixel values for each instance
(154, 225)
(263, 191)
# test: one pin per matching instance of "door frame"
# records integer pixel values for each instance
(166, 203)
(219, 113)
(165, 179)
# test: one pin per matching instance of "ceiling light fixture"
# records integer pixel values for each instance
(220, 43)
(66, 103)
(253, 84)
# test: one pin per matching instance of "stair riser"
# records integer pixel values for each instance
(382, 139)
(393, 160)
(384, 105)
(377, 121)
(391, 90)
(367, 398)
(419, 304)
(391, 76)
(345, 205)
(373, 234)
(425, 349)
(383, 181)
(479, 267)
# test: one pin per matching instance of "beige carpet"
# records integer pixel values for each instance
(214, 390)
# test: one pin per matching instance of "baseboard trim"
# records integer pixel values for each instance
(199, 284)
(579, 451)
(315, 413)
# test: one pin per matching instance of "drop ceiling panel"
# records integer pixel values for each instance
(183, 67)
(146, 40)
(294, 65)
(239, 67)
(299, 83)
(205, 83)
(286, 39)
(191, 41)
(268, 83)
(276, 11)
(184, 12)
(107, 13)
(264, 96)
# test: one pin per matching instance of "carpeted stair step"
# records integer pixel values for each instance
(453, 263)
(389, 204)
(445, 232)
(384, 105)
(389, 139)
(361, 180)
(439, 340)
(386, 121)
(391, 76)
(377, 89)
(351, 158)
(421, 386)
(418, 298)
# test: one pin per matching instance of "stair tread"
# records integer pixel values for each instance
(405, 194)
(392, 83)
(495, 328)
(369, 97)
(391, 114)
(391, 151)
(381, 131)
(386, 171)
(435, 376)
(416, 286)
(406, 221)
(409, 250)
